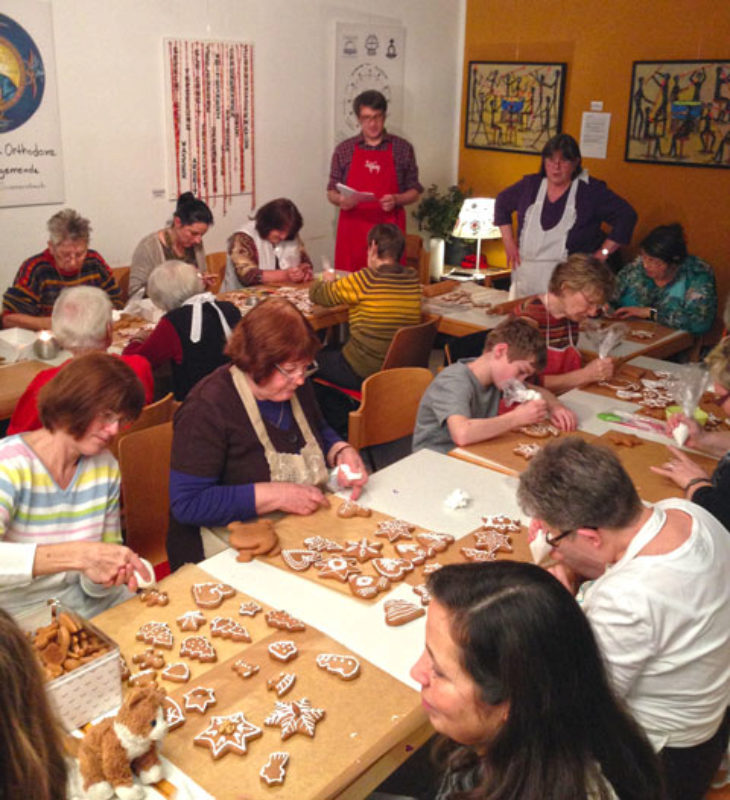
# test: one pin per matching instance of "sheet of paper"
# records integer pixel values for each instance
(361, 197)
(594, 130)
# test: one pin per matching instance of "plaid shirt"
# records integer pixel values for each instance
(406, 169)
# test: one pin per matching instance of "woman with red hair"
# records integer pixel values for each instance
(250, 439)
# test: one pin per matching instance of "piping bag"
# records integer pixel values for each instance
(690, 382)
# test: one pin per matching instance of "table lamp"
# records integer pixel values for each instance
(475, 221)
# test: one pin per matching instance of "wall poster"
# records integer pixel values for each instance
(679, 113)
(514, 106)
(31, 160)
(210, 119)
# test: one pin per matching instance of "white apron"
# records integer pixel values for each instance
(541, 250)
(287, 253)
(306, 467)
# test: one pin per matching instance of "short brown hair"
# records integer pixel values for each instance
(581, 272)
(523, 340)
(271, 333)
(389, 240)
(279, 215)
(87, 386)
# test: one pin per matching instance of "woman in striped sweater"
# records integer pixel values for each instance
(59, 493)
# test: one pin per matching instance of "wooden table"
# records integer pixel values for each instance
(14, 380)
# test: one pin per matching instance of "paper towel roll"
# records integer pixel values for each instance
(436, 263)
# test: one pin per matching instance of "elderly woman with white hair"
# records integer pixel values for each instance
(192, 334)
(82, 323)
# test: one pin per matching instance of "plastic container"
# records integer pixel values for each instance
(89, 691)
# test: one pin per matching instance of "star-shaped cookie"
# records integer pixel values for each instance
(226, 734)
(294, 717)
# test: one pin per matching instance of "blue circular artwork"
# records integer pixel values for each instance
(22, 78)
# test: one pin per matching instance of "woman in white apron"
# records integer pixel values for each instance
(267, 249)
(560, 211)
(249, 438)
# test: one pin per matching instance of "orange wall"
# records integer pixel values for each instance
(599, 40)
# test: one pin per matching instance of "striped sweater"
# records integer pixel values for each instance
(381, 299)
(35, 510)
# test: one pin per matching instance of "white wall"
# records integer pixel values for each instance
(110, 74)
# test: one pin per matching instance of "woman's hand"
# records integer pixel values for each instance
(680, 469)
(110, 564)
(513, 254)
(563, 418)
(293, 498)
(299, 274)
(347, 202)
(600, 369)
(208, 279)
(350, 458)
(638, 312)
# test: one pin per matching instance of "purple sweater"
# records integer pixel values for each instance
(595, 203)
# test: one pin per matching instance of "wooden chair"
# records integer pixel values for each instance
(144, 461)
(121, 276)
(417, 257)
(705, 340)
(152, 414)
(411, 346)
(216, 264)
(388, 409)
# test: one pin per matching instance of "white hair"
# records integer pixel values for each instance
(68, 225)
(81, 317)
(171, 283)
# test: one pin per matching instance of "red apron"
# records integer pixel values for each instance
(370, 171)
(561, 360)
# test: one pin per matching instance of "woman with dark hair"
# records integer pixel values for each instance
(182, 240)
(32, 764)
(667, 284)
(560, 210)
(249, 438)
(60, 532)
(268, 249)
(512, 678)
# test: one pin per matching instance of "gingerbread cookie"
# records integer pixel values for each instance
(124, 671)
(526, 450)
(145, 677)
(362, 550)
(438, 542)
(350, 509)
(337, 567)
(322, 545)
(227, 734)
(179, 672)
(428, 569)
(199, 699)
(150, 659)
(284, 621)
(399, 612)
(416, 553)
(624, 439)
(294, 717)
(158, 634)
(228, 628)
(422, 591)
(211, 594)
(344, 667)
(493, 541)
(282, 683)
(540, 430)
(173, 713)
(249, 609)
(244, 669)
(198, 647)
(274, 770)
(473, 554)
(283, 650)
(367, 586)
(154, 597)
(300, 560)
(191, 620)
(394, 529)
(500, 522)
(394, 569)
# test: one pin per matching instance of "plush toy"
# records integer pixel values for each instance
(116, 748)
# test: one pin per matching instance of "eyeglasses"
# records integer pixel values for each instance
(553, 540)
(371, 117)
(298, 372)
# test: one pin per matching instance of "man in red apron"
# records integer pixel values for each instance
(374, 162)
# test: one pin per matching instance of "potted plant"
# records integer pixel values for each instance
(437, 213)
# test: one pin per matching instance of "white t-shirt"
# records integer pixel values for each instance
(663, 624)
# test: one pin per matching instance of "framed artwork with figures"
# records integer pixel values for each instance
(513, 106)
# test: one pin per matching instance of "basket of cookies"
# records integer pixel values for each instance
(80, 662)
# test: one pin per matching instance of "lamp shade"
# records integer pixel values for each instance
(476, 219)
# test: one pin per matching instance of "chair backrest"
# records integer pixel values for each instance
(121, 276)
(216, 264)
(144, 461)
(411, 346)
(152, 414)
(389, 406)
(417, 256)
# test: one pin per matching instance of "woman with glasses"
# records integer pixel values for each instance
(578, 288)
(249, 438)
(59, 493)
(710, 492)
(560, 210)
(513, 681)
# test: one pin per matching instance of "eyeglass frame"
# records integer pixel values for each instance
(553, 540)
(307, 372)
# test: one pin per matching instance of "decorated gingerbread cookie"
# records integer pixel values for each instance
(199, 699)
(399, 612)
(191, 620)
(473, 554)
(198, 647)
(350, 509)
(422, 591)
(283, 650)
(300, 560)
(211, 594)
(227, 734)
(322, 545)
(284, 621)
(145, 677)
(337, 567)
(273, 771)
(415, 553)
(294, 717)
(540, 430)
(395, 529)
(362, 550)
(158, 634)
(394, 569)
(149, 659)
(438, 542)
(244, 669)
(282, 683)
(367, 586)
(173, 713)
(179, 672)
(501, 522)
(344, 667)
(527, 450)
(228, 628)
(428, 569)
(249, 609)
(493, 540)
(154, 597)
